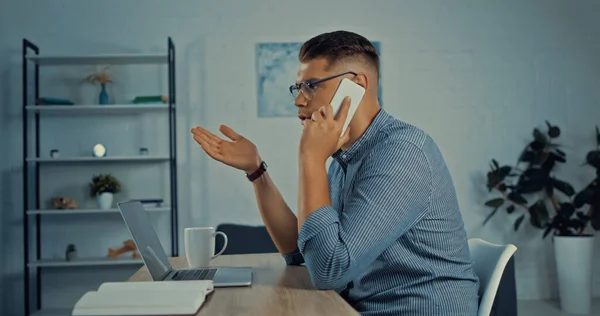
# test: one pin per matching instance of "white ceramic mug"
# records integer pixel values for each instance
(200, 245)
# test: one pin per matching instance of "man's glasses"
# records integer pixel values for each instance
(308, 87)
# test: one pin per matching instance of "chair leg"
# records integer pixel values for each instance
(505, 302)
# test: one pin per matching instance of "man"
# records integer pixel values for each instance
(382, 226)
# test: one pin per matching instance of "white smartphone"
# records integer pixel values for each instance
(347, 88)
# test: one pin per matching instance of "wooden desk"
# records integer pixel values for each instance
(277, 289)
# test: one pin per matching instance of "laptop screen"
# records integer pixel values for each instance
(154, 256)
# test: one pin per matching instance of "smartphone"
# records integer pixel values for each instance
(347, 88)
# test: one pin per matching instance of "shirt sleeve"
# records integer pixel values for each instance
(390, 193)
(294, 258)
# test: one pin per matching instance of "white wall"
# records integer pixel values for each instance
(476, 75)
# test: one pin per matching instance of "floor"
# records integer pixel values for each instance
(550, 308)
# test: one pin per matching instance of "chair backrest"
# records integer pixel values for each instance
(243, 239)
(489, 262)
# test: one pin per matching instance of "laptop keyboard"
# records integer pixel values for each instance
(195, 274)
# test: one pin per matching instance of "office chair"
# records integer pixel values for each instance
(489, 261)
(243, 239)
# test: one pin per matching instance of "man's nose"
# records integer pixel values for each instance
(300, 100)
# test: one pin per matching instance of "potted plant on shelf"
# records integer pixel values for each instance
(103, 78)
(103, 187)
(553, 205)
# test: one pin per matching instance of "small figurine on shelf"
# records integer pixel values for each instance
(64, 203)
(103, 78)
(144, 151)
(54, 153)
(71, 253)
(128, 246)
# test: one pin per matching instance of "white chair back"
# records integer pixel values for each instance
(489, 262)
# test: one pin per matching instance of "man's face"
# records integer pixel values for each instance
(311, 97)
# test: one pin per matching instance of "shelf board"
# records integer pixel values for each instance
(57, 263)
(113, 59)
(90, 211)
(53, 312)
(99, 159)
(94, 108)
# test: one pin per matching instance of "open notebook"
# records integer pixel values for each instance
(145, 298)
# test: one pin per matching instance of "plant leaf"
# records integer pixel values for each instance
(537, 145)
(593, 158)
(518, 222)
(583, 197)
(548, 230)
(559, 158)
(563, 187)
(505, 170)
(510, 209)
(528, 187)
(595, 220)
(497, 202)
(566, 210)
(495, 163)
(538, 214)
(539, 136)
(490, 215)
(517, 198)
(597, 136)
(527, 156)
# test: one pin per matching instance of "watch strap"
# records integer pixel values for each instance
(256, 174)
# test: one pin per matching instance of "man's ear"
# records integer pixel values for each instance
(362, 80)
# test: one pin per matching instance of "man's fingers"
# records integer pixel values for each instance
(344, 138)
(201, 131)
(343, 112)
(212, 151)
(327, 111)
(229, 132)
(213, 141)
(317, 115)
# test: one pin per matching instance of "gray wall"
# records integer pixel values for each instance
(476, 75)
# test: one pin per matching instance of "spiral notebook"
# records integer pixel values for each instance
(144, 298)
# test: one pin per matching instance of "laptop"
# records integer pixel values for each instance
(156, 260)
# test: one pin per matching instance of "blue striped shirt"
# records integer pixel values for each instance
(393, 241)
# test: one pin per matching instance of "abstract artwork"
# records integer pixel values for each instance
(276, 66)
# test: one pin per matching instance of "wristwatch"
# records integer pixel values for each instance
(256, 174)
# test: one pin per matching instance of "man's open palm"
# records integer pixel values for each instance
(239, 153)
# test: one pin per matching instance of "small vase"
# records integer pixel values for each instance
(105, 200)
(71, 253)
(574, 262)
(103, 98)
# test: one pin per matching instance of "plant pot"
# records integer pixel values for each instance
(574, 256)
(105, 200)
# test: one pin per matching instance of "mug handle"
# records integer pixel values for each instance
(224, 244)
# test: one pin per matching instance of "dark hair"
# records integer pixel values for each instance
(337, 46)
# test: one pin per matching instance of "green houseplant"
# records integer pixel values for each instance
(103, 187)
(551, 204)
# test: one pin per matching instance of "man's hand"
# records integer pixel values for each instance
(321, 135)
(239, 153)
(320, 139)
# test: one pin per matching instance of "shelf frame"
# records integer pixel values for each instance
(96, 108)
(90, 211)
(88, 262)
(59, 160)
(113, 59)
(32, 59)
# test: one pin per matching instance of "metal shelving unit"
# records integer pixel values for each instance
(32, 161)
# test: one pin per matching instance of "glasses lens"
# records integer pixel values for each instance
(294, 92)
(306, 91)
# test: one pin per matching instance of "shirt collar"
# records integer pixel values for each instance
(361, 145)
